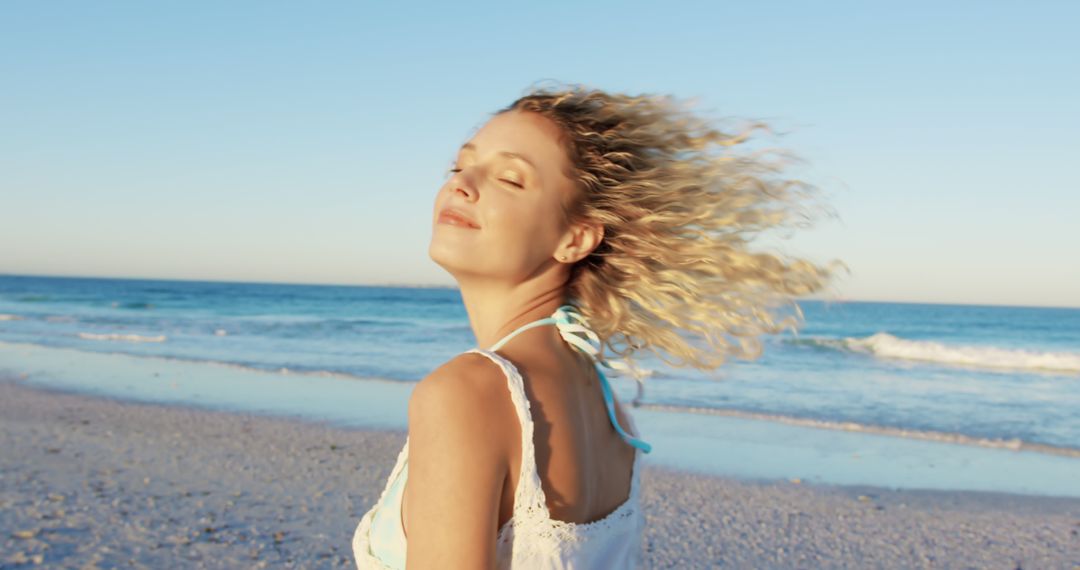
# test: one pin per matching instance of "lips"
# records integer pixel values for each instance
(456, 217)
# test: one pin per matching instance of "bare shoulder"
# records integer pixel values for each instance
(467, 394)
(467, 381)
(457, 463)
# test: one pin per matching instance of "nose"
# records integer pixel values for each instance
(461, 186)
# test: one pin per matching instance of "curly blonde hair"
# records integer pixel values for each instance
(676, 204)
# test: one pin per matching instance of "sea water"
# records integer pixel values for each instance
(962, 376)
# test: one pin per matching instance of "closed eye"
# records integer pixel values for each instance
(457, 169)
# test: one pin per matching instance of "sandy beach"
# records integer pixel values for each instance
(90, 482)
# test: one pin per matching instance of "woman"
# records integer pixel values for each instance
(615, 219)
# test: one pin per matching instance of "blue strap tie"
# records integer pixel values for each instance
(571, 325)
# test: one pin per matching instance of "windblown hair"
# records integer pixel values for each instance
(674, 272)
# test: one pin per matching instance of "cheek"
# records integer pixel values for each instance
(515, 212)
(527, 226)
(506, 221)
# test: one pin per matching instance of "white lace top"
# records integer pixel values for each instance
(531, 538)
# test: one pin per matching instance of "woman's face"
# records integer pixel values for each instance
(509, 183)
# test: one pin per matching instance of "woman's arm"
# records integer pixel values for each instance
(457, 464)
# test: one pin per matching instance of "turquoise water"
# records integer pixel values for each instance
(993, 375)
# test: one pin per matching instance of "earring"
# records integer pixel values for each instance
(562, 258)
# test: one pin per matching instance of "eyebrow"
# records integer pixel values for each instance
(472, 147)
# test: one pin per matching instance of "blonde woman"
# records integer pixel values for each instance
(577, 223)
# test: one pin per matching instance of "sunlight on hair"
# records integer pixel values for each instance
(675, 273)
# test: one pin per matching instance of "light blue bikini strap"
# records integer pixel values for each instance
(569, 330)
(523, 328)
(610, 402)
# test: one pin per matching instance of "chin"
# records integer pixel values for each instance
(449, 257)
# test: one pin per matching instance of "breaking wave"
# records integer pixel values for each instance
(885, 345)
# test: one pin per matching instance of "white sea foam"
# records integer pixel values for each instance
(123, 337)
(885, 345)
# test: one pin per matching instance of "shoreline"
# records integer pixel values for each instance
(91, 481)
(755, 448)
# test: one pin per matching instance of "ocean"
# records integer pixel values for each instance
(989, 376)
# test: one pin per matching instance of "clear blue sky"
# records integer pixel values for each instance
(304, 142)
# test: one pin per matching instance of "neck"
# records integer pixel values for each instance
(497, 309)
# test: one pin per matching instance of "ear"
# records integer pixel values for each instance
(580, 240)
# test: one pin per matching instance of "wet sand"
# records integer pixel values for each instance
(89, 482)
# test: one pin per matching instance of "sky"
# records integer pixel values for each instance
(305, 142)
